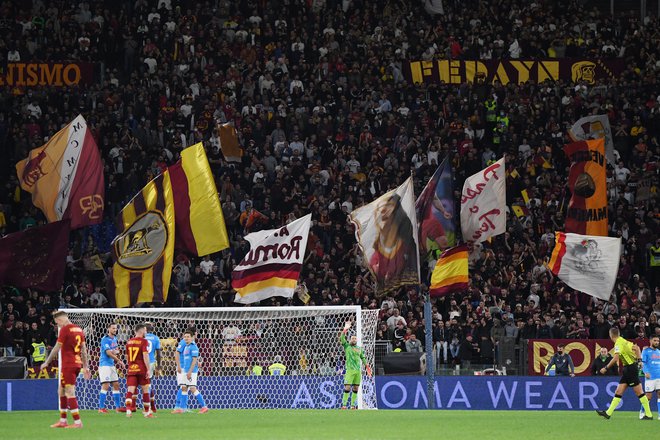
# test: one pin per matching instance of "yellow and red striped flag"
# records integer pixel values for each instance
(144, 249)
(451, 272)
(200, 225)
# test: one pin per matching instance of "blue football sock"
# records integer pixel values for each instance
(103, 394)
(116, 396)
(178, 399)
(200, 399)
(184, 400)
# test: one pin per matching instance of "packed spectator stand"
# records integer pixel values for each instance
(328, 122)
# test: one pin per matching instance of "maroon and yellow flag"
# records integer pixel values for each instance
(200, 225)
(35, 257)
(451, 272)
(65, 176)
(587, 181)
(144, 249)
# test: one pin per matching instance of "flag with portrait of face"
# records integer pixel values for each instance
(386, 231)
(435, 211)
(594, 127)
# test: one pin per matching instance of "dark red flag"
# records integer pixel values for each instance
(35, 257)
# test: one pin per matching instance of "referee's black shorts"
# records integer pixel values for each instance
(630, 375)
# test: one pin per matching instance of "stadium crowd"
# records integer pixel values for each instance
(328, 122)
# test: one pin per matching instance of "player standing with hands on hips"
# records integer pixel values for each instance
(187, 368)
(71, 342)
(354, 359)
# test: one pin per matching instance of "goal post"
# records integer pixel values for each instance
(232, 342)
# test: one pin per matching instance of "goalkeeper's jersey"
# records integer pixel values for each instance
(354, 354)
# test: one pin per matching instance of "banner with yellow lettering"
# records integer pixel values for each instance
(39, 74)
(582, 352)
(512, 71)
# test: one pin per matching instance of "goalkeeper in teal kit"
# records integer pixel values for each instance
(353, 375)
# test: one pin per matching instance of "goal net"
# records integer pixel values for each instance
(234, 340)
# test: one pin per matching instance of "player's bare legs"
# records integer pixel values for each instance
(63, 408)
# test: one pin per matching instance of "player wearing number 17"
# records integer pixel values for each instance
(353, 375)
(137, 351)
(71, 343)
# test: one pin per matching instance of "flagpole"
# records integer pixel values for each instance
(430, 368)
(428, 321)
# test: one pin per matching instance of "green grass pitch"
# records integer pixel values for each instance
(335, 425)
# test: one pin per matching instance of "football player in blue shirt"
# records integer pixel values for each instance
(154, 360)
(187, 368)
(651, 369)
(108, 371)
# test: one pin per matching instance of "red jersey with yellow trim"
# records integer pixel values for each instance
(135, 349)
(71, 338)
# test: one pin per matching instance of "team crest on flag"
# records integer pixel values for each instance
(143, 251)
(594, 127)
(143, 243)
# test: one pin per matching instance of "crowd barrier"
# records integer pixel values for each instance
(393, 392)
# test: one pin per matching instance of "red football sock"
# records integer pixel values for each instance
(129, 400)
(63, 406)
(146, 402)
(133, 403)
(73, 407)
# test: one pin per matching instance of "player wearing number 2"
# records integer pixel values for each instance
(354, 359)
(71, 343)
(137, 351)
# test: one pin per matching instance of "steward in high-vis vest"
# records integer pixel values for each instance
(38, 352)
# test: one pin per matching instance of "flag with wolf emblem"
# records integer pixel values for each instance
(144, 249)
(65, 176)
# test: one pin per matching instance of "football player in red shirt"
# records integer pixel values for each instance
(71, 342)
(137, 351)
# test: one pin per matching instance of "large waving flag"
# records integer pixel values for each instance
(451, 272)
(273, 264)
(587, 181)
(229, 144)
(35, 257)
(65, 176)
(594, 127)
(386, 230)
(483, 204)
(435, 211)
(200, 224)
(144, 249)
(587, 263)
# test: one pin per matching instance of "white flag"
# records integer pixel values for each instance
(594, 127)
(273, 265)
(483, 204)
(588, 263)
(386, 230)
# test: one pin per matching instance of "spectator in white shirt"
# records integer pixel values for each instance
(207, 265)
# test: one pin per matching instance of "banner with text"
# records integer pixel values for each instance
(61, 74)
(483, 204)
(582, 352)
(512, 71)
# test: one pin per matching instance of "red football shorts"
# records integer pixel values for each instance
(68, 375)
(137, 379)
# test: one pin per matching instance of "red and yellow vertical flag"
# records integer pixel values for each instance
(451, 272)
(200, 225)
(587, 181)
(144, 250)
(65, 176)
